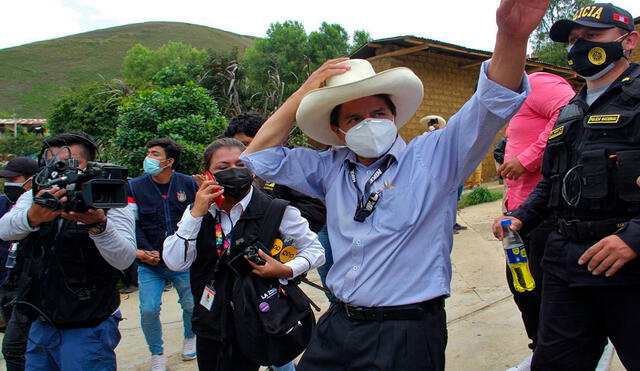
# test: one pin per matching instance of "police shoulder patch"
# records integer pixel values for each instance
(603, 119)
(556, 132)
(269, 186)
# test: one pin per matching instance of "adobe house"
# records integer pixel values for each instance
(449, 73)
(635, 57)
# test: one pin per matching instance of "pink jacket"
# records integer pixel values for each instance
(528, 131)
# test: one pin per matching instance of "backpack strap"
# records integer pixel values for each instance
(271, 221)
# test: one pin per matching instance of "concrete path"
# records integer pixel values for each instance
(485, 329)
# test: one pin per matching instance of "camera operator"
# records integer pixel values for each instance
(72, 263)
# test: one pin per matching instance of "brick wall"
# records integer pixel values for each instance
(446, 88)
(635, 56)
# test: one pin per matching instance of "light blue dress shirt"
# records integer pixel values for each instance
(401, 253)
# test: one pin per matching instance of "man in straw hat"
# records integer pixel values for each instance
(390, 205)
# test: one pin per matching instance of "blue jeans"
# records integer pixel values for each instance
(151, 285)
(323, 270)
(73, 349)
(288, 367)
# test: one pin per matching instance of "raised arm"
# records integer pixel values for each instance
(516, 20)
(276, 130)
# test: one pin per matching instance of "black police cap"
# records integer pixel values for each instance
(602, 15)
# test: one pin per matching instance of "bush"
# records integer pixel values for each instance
(25, 144)
(479, 196)
(184, 113)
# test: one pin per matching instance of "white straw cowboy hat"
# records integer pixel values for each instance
(401, 84)
(427, 120)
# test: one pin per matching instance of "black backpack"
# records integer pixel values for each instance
(273, 322)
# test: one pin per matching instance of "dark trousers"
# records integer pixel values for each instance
(341, 343)
(576, 321)
(528, 302)
(14, 343)
(212, 356)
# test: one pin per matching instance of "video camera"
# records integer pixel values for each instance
(99, 186)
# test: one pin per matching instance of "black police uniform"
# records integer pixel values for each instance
(590, 167)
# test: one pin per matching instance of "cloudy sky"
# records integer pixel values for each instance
(469, 23)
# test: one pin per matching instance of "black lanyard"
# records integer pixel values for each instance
(366, 208)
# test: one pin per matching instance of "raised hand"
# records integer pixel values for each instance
(518, 18)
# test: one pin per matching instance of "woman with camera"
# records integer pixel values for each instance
(211, 241)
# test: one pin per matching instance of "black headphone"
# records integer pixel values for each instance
(83, 137)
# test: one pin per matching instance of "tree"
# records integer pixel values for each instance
(91, 108)
(360, 37)
(282, 53)
(549, 51)
(184, 113)
(141, 63)
(277, 65)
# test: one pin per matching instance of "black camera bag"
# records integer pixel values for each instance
(273, 322)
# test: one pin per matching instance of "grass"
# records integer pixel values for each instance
(478, 196)
(33, 76)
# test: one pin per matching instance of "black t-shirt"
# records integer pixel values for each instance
(164, 188)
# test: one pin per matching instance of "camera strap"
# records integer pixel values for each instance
(365, 208)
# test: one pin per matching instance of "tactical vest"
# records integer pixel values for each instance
(599, 145)
(67, 278)
(217, 323)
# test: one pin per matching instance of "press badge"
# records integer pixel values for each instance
(208, 295)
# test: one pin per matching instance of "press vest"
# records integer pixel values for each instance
(217, 324)
(158, 217)
(71, 283)
(601, 143)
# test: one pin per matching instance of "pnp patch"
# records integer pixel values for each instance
(603, 119)
(556, 132)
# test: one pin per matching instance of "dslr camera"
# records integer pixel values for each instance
(99, 186)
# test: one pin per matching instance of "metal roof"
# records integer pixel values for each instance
(411, 44)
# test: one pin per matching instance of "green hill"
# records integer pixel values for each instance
(32, 76)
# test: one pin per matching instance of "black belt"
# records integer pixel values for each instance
(577, 230)
(400, 312)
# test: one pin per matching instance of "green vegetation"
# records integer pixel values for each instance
(478, 196)
(33, 76)
(277, 65)
(184, 113)
(549, 51)
(25, 144)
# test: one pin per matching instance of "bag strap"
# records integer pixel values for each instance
(271, 221)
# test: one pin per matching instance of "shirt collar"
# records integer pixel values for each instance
(396, 150)
(244, 203)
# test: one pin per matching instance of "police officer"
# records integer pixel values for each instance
(72, 263)
(591, 284)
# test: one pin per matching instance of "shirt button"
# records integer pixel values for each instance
(355, 268)
(358, 242)
(368, 171)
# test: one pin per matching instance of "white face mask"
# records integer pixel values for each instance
(371, 138)
(432, 128)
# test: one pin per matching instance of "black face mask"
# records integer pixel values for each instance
(590, 58)
(236, 181)
(13, 191)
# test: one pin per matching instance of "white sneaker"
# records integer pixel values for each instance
(158, 362)
(605, 359)
(525, 365)
(189, 349)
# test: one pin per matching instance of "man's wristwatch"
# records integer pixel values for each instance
(97, 228)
